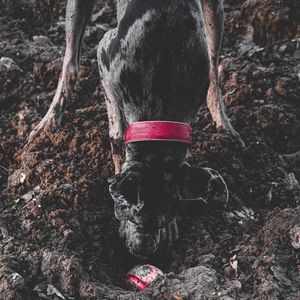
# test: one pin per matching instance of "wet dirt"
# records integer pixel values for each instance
(58, 235)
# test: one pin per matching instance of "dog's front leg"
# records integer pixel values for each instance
(214, 18)
(113, 102)
(78, 13)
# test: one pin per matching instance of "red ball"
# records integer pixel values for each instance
(143, 275)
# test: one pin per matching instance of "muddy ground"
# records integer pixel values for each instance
(58, 234)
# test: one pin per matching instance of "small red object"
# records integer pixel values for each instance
(158, 131)
(143, 275)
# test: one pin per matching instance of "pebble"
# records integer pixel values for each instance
(295, 236)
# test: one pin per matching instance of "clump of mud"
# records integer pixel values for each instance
(58, 234)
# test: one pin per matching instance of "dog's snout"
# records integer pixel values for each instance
(143, 241)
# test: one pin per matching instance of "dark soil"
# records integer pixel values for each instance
(58, 235)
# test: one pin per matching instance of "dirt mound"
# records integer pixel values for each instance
(58, 235)
(272, 20)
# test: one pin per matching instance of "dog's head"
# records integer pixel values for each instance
(146, 195)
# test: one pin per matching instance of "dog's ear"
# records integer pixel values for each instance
(202, 184)
(125, 191)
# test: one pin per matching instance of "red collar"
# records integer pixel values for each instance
(158, 131)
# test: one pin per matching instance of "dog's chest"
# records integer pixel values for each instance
(155, 62)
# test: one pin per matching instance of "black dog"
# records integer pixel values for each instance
(159, 64)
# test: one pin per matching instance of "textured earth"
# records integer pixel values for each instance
(58, 235)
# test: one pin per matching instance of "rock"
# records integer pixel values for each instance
(29, 195)
(295, 236)
(282, 48)
(280, 274)
(68, 235)
(9, 64)
(12, 283)
(52, 290)
(17, 178)
(291, 182)
(42, 40)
